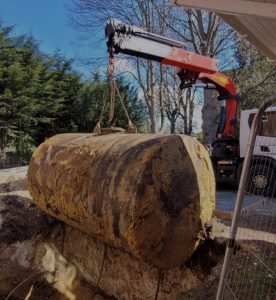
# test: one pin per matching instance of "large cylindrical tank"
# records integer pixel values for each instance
(148, 194)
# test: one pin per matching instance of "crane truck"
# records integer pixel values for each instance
(226, 152)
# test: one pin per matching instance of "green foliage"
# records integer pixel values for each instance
(32, 88)
(24, 148)
(95, 100)
(255, 77)
(199, 137)
(41, 95)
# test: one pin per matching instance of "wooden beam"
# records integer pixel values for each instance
(222, 214)
(234, 7)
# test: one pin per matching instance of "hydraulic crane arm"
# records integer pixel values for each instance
(132, 40)
(135, 41)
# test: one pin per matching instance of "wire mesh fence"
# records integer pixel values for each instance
(10, 162)
(249, 269)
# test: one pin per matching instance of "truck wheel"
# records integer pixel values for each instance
(262, 180)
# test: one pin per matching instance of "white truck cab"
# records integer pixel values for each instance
(262, 174)
(266, 139)
(227, 154)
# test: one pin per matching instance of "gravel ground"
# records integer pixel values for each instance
(226, 199)
(17, 172)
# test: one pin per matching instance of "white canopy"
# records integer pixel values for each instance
(253, 19)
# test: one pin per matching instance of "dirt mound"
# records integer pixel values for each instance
(55, 261)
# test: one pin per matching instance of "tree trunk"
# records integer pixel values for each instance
(161, 100)
(191, 112)
(153, 121)
(210, 116)
(185, 119)
(172, 122)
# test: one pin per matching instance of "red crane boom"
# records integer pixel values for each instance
(132, 40)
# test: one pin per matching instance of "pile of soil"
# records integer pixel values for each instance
(42, 258)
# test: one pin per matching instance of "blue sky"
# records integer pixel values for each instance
(47, 21)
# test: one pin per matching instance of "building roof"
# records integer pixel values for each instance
(253, 19)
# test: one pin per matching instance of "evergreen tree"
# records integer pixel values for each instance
(255, 77)
(41, 95)
(95, 100)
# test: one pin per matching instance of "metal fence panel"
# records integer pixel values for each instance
(10, 162)
(249, 269)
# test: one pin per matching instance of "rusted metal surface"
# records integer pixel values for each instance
(147, 194)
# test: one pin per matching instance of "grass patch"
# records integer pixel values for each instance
(254, 276)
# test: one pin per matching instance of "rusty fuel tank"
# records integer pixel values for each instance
(146, 193)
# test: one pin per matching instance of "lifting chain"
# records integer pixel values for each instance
(110, 70)
(113, 87)
(97, 128)
(131, 127)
